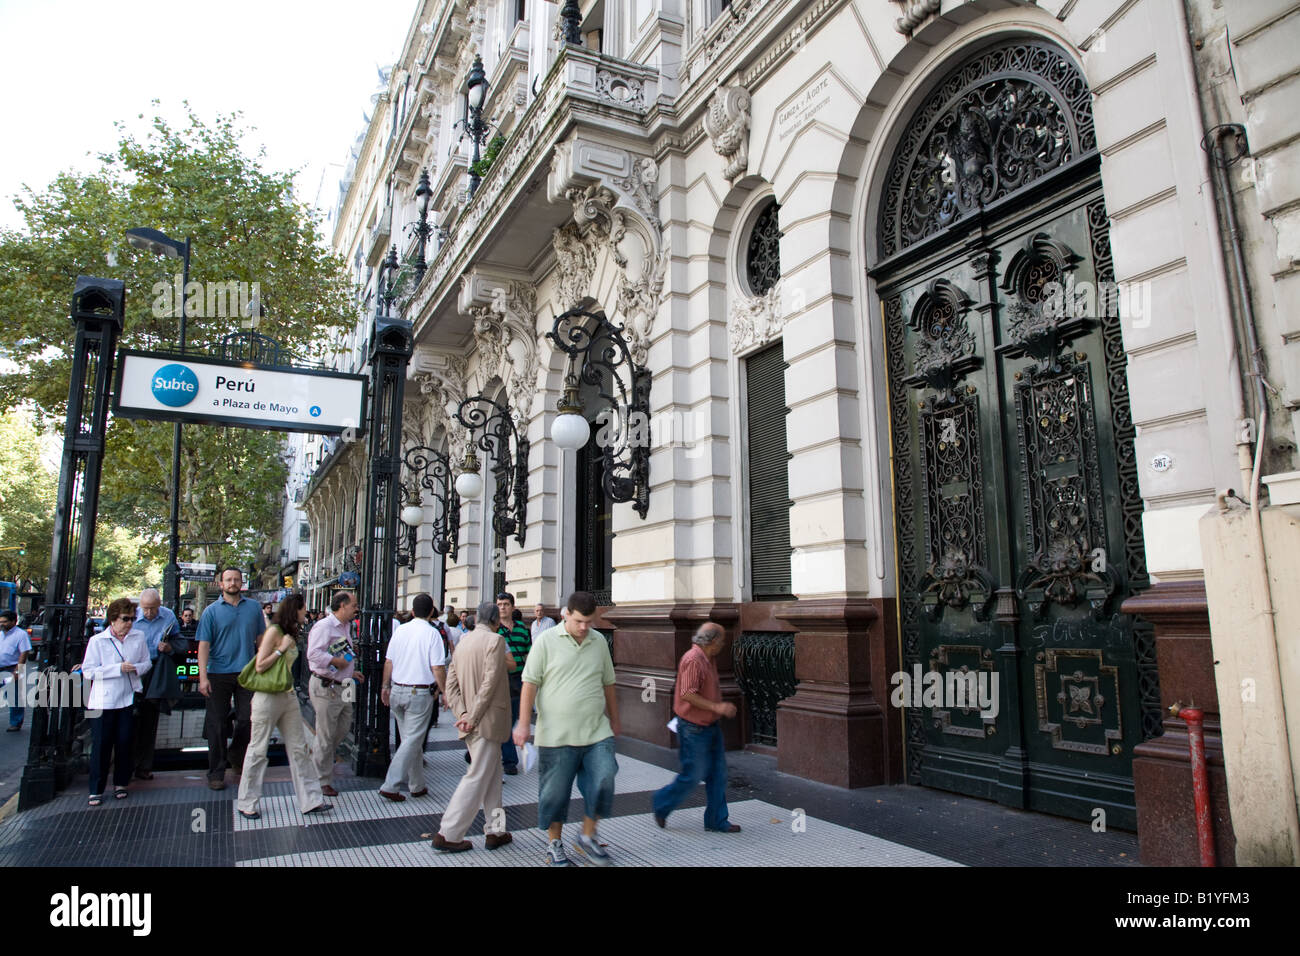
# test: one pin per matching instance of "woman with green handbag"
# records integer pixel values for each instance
(270, 676)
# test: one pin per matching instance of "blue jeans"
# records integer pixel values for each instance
(16, 712)
(704, 757)
(594, 768)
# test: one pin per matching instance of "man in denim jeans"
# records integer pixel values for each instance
(577, 719)
(697, 702)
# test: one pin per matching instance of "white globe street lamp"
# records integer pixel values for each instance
(468, 483)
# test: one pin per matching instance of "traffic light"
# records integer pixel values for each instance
(288, 580)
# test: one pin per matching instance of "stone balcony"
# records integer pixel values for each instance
(582, 90)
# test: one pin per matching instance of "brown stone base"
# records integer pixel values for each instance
(834, 729)
(837, 728)
(648, 642)
(1162, 773)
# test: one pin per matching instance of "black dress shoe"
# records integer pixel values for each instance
(320, 808)
(255, 815)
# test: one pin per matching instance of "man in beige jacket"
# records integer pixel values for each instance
(478, 694)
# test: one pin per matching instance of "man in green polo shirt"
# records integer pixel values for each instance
(577, 719)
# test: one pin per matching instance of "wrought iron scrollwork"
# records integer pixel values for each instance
(429, 476)
(765, 672)
(599, 356)
(951, 469)
(945, 350)
(492, 422)
(1060, 467)
(1043, 316)
(1004, 118)
(249, 346)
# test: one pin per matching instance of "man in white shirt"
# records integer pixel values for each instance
(415, 672)
(15, 645)
(541, 621)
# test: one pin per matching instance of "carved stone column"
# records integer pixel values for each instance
(838, 727)
(1162, 772)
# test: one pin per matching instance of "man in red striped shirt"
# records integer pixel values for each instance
(698, 704)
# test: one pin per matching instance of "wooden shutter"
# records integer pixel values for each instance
(769, 486)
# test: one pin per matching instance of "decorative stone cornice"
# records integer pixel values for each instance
(440, 382)
(504, 310)
(615, 200)
(727, 122)
(755, 320)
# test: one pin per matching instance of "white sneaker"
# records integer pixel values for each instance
(591, 848)
(555, 855)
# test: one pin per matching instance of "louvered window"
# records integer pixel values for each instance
(769, 486)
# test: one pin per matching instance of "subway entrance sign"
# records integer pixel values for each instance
(189, 387)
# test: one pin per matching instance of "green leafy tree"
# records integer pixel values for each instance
(28, 488)
(122, 565)
(247, 227)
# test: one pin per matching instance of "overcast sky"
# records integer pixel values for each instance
(301, 72)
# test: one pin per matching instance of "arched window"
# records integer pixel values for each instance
(1000, 121)
(763, 251)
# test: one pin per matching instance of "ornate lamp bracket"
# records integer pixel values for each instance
(429, 476)
(490, 425)
(600, 356)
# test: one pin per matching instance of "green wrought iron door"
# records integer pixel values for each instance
(1019, 521)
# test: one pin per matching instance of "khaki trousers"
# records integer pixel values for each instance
(480, 787)
(410, 707)
(333, 717)
(268, 712)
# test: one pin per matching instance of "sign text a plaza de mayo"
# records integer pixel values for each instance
(194, 388)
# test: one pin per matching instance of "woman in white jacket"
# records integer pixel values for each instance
(116, 660)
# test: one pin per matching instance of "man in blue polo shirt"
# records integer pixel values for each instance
(159, 626)
(14, 648)
(228, 633)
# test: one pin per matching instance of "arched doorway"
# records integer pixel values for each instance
(1016, 506)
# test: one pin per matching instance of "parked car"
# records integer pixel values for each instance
(35, 625)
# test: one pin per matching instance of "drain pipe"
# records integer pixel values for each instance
(1220, 162)
(1195, 719)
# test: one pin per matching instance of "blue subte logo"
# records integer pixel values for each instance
(175, 385)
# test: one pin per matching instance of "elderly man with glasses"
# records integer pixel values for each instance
(161, 635)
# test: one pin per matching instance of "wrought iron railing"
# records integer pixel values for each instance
(764, 663)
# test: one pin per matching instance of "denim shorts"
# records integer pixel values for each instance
(593, 767)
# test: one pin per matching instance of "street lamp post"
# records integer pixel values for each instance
(476, 86)
(151, 240)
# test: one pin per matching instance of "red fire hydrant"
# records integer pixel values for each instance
(1195, 719)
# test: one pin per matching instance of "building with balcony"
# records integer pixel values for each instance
(959, 320)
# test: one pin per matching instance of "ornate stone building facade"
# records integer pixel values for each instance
(946, 359)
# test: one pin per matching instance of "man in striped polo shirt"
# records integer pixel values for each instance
(519, 641)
